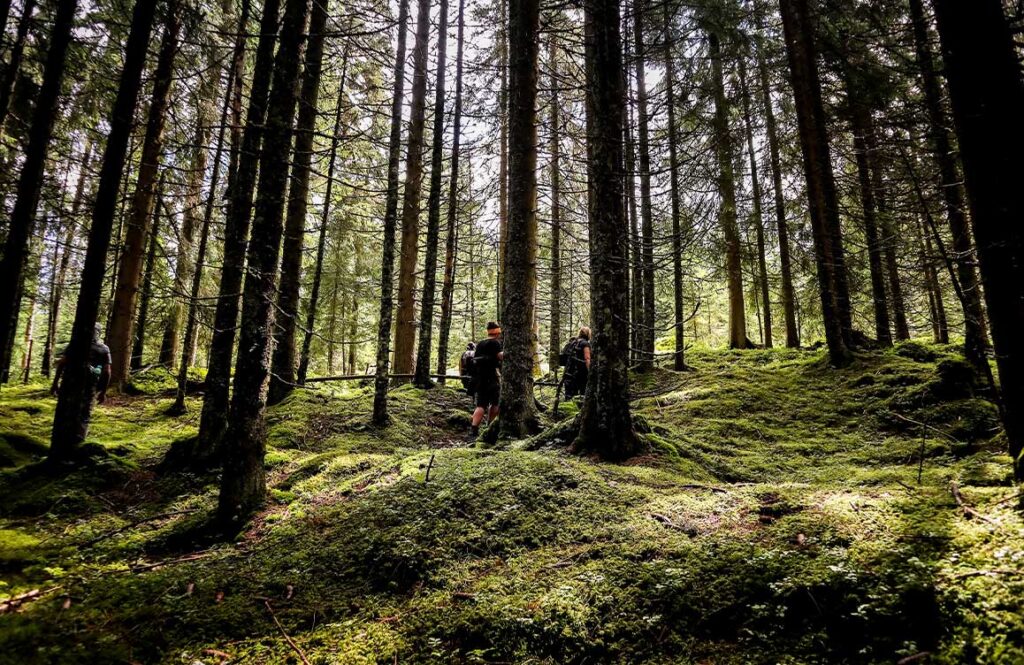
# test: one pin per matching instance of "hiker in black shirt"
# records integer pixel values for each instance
(98, 368)
(487, 376)
(577, 367)
(466, 369)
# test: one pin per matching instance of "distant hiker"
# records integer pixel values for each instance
(98, 366)
(575, 357)
(487, 359)
(466, 368)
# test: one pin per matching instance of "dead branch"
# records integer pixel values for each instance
(291, 642)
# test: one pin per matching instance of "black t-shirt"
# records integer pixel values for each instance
(486, 359)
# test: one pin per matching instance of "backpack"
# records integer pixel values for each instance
(568, 352)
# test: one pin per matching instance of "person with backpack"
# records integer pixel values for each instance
(466, 369)
(575, 357)
(486, 374)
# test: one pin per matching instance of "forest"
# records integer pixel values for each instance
(509, 331)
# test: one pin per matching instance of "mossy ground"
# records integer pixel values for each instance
(777, 518)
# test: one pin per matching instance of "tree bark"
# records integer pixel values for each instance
(678, 357)
(243, 482)
(988, 97)
(13, 68)
(648, 328)
(860, 117)
(755, 185)
(405, 326)
(976, 341)
(422, 373)
(605, 424)
(782, 226)
(727, 192)
(821, 187)
(74, 405)
(30, 181)
(937, 308)
(318, 270)
(636, 247)
(213, 421)
(282, 376)
(387, 275)
(518, 412)
(139, 341)
(888, 239)
(452, 238)
(555, 287)
(503, 120)
(129, 274)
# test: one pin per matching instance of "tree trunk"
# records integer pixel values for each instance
(129, 274)
(937, 308)
(555, 289)
(243, 482)
(821, 187)
(405, 326)
(727, 192)
(452, 238)
(987, 108)
(782, 226)
(13, 68)
(192, 320)
(860, 117)
(139, 341)
(318, 270)
(976, 341)
(60, 278)
(605, 425)
(387, 274)
(30, 182)
(755, 184)
(889, 242)
(647, 329)
(635, 248)
(422, 373)
(282, 376)
(214, 420)
(518, 412)
(678, 357)
(503, 120)
(74, 405)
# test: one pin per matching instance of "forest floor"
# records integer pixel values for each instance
(786, 513)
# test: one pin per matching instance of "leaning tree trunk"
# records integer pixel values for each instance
(821, 186)
(13, 68)
(243, 482)
(129, 273)
(518, 411)
(139, 342)
(74, 405)
(282, 376)
(678, 357)
(647, 329)
(727, 209)
(605, 424)
(555, 288)
(860, 117)
(936, 307)
(976, 342)
(976, 39)
(451, 242)
(214, 419)
(387, 271)
(422, 377)
(755, 185)
(30, 182)
(405, 326)
(321, 246)
(782, 226)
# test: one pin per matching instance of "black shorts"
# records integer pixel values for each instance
(488, 393)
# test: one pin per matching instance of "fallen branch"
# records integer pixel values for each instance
(969, 512)
(132, 525)
(15, 602)
(291, 642)
(158, 564)
(917, 657)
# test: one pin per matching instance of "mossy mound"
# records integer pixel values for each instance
(779, 517)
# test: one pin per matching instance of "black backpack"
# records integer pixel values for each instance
(568, 352)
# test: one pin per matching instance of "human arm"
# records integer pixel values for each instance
(58, 371)
(586, 356)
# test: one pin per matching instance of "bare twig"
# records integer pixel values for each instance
(954, 489)
(429, 467)
(291, 642)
